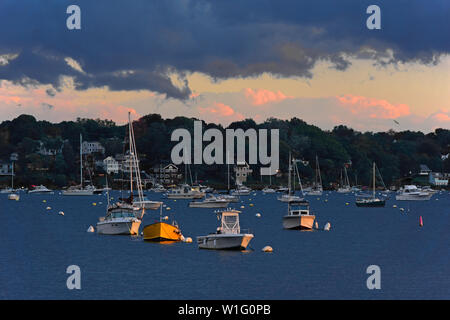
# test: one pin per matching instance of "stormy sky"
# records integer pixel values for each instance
(163, 47)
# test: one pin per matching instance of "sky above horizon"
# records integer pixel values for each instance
(227, 61)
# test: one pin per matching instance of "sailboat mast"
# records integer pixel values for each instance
(131, 155)
(374, 179)
(12, 176)
(289, 176)
(81, 161)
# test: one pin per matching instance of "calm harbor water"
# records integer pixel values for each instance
(37, 245)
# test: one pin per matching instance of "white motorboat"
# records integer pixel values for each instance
(411, 192)
(289, 198)
(158, 188)
(228, 197)
(268, 190)
(124, 218)
(7, 190)
(210, 202)
(39, 190)
(121, 219)
(282, 189)
(241, 190)
(185, 192)
(299, 216)
(229, 235)
(145, 203)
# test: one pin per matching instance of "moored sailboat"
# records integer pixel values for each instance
(124, 218)
(370, 201)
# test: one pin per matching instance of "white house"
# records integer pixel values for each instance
(90, 147)
(111, 165)
(437, 179)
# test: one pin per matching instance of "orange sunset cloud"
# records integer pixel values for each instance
(262, 96)
(375, 108)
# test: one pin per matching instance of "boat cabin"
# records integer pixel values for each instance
(297, 208)
(229, 222)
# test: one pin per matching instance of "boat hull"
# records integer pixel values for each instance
(371, 204)
(78, 193)
(202, 204)
(301, 222)
(409, 197)
(130, 227)
(224, 241)
(161, 231)
(13, 196)
(150, 205)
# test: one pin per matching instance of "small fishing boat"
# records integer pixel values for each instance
(210, 202)
(229, 235)
(162, 231)
(299, 216)
(373, 201)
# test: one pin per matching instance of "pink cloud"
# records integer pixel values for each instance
(217, 111)
(373, 108)
(442, 116)
(262, 96)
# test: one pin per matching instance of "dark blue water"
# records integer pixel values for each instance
(37, 245)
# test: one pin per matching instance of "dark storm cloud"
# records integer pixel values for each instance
(135, 45)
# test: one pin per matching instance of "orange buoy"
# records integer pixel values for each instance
(420, 221)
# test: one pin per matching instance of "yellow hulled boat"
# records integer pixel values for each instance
(161, 232)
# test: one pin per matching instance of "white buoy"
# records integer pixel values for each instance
(61, 213)
(242, 207)
(168, 208)
(258, 215)
(394, 206)
(267, 249)
(166, 218)
(317, 226)
(48, 208)
(401, 209)
(188, 240)
(90, 229)
(327, 227)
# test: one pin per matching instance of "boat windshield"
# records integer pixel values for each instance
(122, 214)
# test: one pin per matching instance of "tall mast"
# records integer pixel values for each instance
(12, 176)
(81, 161)
(131, 155)
(289, 176)
(374, 179)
